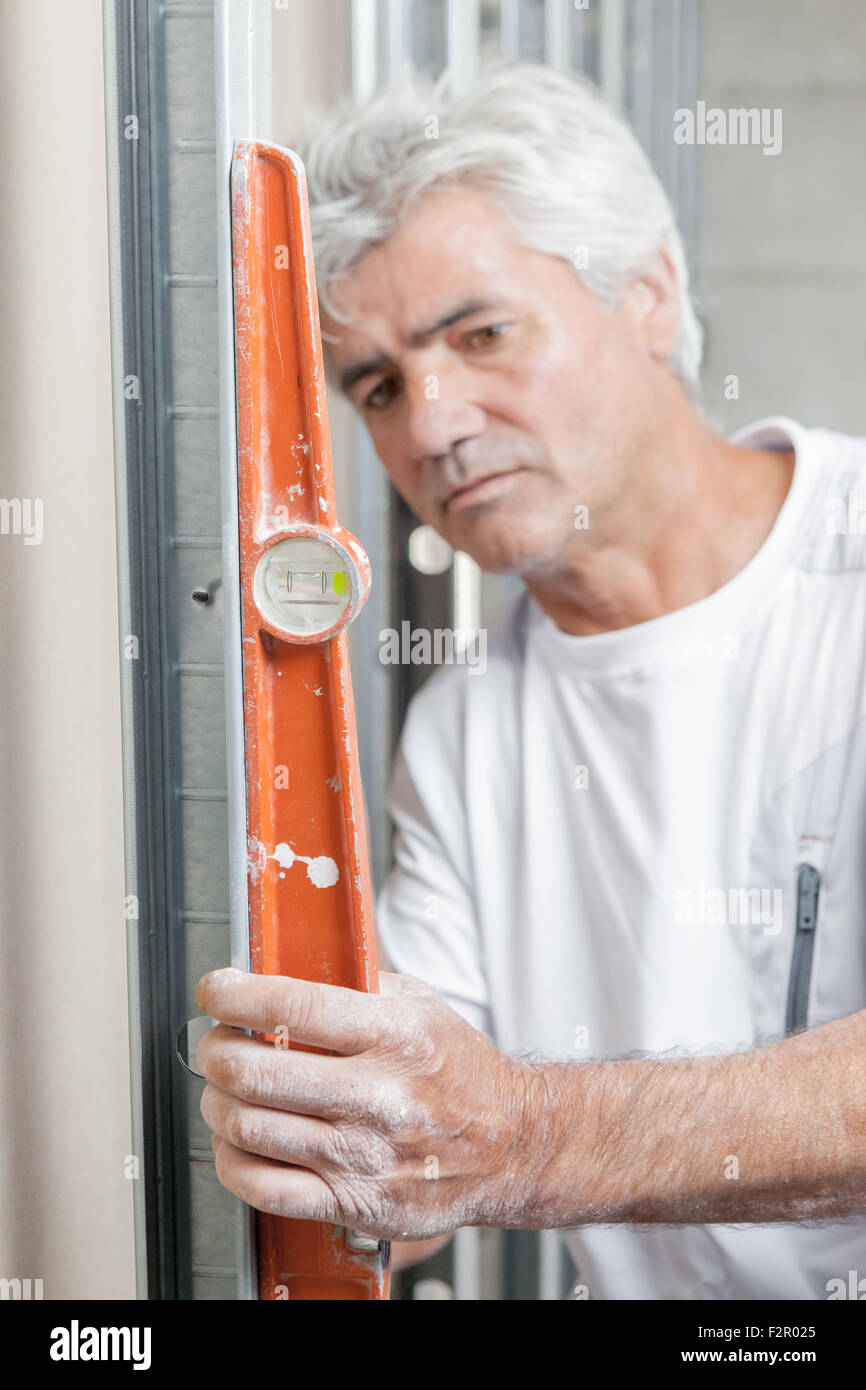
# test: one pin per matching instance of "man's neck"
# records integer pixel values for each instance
(698, 511)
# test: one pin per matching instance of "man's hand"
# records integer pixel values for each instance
(418, 1127)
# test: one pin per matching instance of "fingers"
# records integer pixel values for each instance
(274, 1187)
(302, 1140)
(341, 1020)
(305, 1083)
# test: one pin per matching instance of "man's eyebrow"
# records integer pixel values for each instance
(463, 311)
(350, 376)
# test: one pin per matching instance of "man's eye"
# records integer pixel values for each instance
(488, 335)
(383, 394)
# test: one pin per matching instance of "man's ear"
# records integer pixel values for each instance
(652, 302)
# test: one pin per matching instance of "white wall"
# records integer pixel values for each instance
(65, 1204)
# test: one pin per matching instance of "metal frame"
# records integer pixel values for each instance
(124, 331)
(165, 290)
(243, 109)
(132, 74)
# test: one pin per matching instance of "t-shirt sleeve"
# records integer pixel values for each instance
(425, 914)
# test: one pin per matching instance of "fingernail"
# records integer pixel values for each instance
(225, 971)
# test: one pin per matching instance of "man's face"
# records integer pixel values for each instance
(500, 393)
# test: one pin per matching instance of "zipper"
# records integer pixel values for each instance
(808, 886)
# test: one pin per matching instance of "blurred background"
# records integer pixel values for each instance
(114, 823)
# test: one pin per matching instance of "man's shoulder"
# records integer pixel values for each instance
(817, 446)
(829, 492)
(834, 450)
(834, 534)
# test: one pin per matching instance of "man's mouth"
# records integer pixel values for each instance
(480, 489)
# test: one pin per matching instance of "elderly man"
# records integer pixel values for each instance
(629, 865)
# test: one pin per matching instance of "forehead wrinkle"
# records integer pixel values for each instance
(416, 338)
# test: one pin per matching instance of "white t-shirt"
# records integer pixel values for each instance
(599, 843)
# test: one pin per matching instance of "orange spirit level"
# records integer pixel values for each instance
(303, 579)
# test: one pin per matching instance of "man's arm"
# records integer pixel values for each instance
(422, 1126)
(773, 1134)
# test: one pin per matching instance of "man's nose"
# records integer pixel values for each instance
(440, 414)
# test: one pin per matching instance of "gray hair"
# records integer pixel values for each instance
(544, 146)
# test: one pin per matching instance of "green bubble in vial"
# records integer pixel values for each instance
(341, 582)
